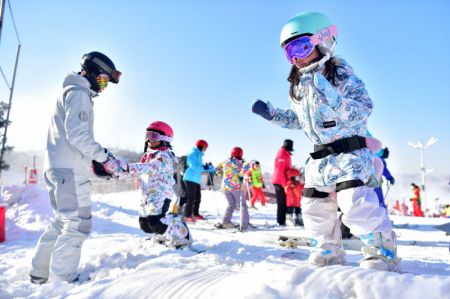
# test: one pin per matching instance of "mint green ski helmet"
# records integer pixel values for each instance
(303, 23)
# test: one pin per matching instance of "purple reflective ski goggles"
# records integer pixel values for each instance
(303, 46)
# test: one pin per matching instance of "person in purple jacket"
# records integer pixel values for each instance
(384, 154)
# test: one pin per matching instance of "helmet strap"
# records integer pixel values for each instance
(327, 52)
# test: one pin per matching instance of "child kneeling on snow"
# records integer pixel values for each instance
(293, 190)
(155, 174)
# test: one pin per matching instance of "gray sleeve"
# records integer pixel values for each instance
(78, 122)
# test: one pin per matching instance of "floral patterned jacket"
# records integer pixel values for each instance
(156, 181)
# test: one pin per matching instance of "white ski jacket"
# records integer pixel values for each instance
(70, 142)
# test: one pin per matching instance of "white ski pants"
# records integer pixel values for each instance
(361, 213)
(59, 247)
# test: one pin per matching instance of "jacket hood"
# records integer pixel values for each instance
(76, 79)
(195, 149)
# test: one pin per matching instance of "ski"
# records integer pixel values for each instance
(294, 242)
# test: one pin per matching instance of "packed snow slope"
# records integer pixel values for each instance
(118, 261)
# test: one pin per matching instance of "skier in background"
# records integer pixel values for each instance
(254, 178)
(155, 173)
(232, 171)
(384, 154)
(331, 105)
(293, 189)
(279, 179)
(192, 178)
(71, 150)
(416, 201)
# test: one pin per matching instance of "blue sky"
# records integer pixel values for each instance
(199, 65)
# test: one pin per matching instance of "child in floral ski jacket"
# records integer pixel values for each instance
(331, 105)
(155, 173)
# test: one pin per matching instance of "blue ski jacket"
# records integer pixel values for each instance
(195, 166)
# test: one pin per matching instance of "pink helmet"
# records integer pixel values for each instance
(160, 127)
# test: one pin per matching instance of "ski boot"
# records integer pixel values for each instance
(380, 252)
(220, 225)
(327, 254)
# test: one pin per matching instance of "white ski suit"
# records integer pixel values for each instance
(70, 150)
(327, 113)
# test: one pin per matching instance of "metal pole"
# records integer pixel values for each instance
(2, 12)
(11, 92)
(423, 170)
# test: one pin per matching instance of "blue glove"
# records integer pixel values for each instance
(392, 181)
(261, 108)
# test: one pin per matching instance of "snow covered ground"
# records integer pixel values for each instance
(118, 262)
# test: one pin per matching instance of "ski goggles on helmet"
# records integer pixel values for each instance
(155, 136)
(303, 46)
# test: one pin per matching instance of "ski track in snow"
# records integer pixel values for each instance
(118, 262)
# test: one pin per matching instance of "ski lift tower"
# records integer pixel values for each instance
(10, 85)
(423, 170)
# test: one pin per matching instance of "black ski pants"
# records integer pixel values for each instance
(152, 224)
(193, 199)
(281, 204)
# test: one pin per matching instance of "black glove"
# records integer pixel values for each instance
(99, 170)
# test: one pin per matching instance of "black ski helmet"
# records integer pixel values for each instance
(96, 63)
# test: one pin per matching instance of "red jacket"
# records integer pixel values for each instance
(293, 194)
(282, 164)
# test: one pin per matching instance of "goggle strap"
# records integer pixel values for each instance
(323, 35)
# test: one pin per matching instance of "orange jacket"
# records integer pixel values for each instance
(293, 194)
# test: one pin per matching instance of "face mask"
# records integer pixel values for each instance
(102, 81)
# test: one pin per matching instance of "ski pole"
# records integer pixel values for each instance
(241, 220)
(387, 191)
(215, 198)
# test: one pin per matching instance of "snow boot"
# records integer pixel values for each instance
(37, 280)
(298, 220)
(327, 254)
(290, 220)
(380, 252)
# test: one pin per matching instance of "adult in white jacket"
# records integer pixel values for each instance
(71, 149)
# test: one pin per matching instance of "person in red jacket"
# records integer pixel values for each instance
(294, 189)
(417, 211)
(279, 179)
